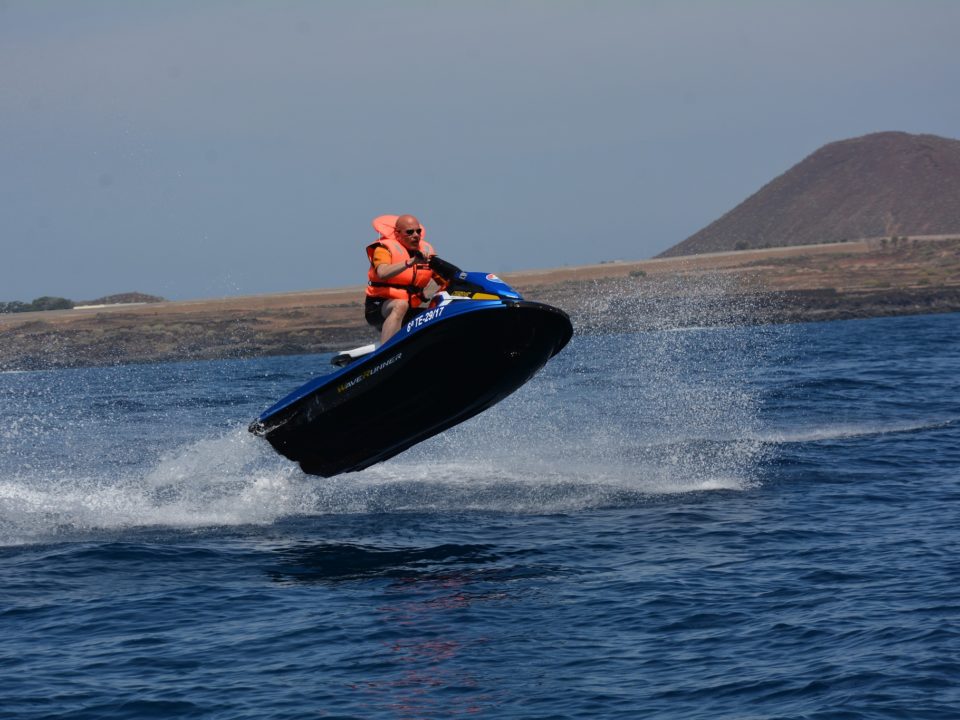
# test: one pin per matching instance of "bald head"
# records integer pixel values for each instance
(407, 222)
(409, 231)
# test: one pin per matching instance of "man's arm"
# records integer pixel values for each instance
(386, 271)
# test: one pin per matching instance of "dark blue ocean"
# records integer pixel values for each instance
(703, 523)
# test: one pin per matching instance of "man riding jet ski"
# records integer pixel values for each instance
(471, 345)
(399, 272)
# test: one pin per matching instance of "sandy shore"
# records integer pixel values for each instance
(818, 282)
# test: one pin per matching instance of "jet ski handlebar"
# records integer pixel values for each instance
(448, 271)
(474, 285)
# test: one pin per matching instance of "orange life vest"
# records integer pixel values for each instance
(410, 282)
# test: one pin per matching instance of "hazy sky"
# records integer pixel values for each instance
(199, 149)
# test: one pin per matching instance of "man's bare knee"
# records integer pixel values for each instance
(396, 308)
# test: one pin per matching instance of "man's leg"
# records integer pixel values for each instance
(393, 312)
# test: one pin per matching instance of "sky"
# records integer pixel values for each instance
(229, 147)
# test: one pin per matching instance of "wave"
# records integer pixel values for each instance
(696, 329)
(612, 422)
(236, 479)
(849, 431)
(209, 483)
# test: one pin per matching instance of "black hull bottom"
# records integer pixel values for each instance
(428, 382)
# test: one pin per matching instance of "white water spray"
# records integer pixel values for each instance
(617, 418)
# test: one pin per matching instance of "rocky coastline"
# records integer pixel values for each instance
(871, 278)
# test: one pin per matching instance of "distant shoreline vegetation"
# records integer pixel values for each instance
(48, 302)
(41, 303)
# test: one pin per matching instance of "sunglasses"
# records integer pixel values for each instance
(413, 231)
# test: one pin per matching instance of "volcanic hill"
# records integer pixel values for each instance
(880, 185)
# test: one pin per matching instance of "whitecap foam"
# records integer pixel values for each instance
(849, 431)
(613, 421)
(229, 480)
(235, 479)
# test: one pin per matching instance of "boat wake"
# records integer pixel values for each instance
(617, 419)
(235, 479)
(852, 431)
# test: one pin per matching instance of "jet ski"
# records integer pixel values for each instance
(471, 346)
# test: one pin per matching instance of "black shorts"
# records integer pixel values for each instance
(373, 311)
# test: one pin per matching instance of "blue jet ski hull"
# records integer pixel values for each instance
(441, 369)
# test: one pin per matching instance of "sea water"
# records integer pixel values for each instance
(692, 523)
